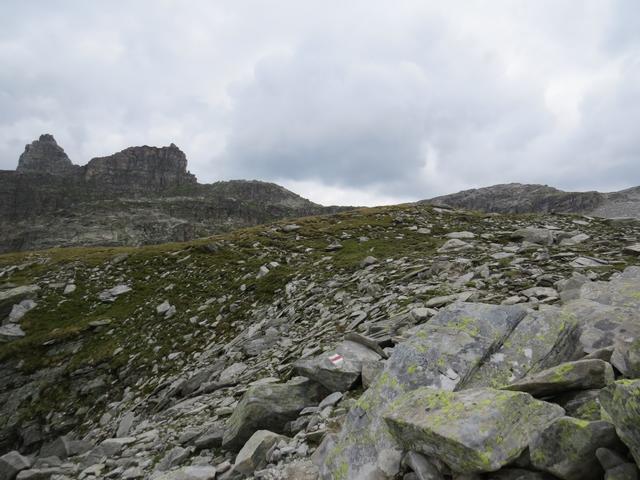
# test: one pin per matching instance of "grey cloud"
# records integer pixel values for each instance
(403, 103)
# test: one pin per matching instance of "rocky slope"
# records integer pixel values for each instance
(140, 196)
(390, 343)
(519, 198)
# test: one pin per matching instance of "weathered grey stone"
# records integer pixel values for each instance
(269, 407)
(621, 402)
(626, 471)
(253, 455)
(472, 431)
(338, 369)
(11, 464)
(126, 422)
(609, 458)
(622, 290)
(422, 467)
(442, 353)
(454, 245)
(12, 296)
(174, 457)
(111, 294)
(64, 447)
(190, 473)
(626, 357)
(567, 448)
(578, 375)
(582, 404)
(10, 332)
(604, 325)
(541, 236)
(542, 339)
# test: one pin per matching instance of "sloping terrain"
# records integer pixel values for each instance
(523, 198)
(165, 361)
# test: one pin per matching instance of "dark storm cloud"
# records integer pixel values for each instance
(351, 102)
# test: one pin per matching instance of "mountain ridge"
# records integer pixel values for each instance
(536, 198)
(140, 195)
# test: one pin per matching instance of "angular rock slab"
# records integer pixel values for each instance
(567, 448)
(442, 354)
(622, 290)
(604, 325)
(472, 431)
(566, 377)
(542, 339)
(8, 298)
(253, 455)
(269, 407)
(621, 403)
(11, 464)
(338, 370)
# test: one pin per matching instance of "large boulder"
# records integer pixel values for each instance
(540, 236)
(339, 369)
(253, 454)
(11, 464)
(621, 403)
(622, 290)
(567, 448)
(472, 431)
(269, 407)
(579, 375)
(542, 339)
(604, 325)
(442, 353)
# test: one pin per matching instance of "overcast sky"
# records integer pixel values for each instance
(358, 102)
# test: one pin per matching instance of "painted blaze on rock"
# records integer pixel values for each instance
(478, 430)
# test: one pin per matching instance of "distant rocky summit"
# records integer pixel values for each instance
(524, 198)
(141, 195)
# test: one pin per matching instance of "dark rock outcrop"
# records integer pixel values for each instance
(45, 156)
(139, 196)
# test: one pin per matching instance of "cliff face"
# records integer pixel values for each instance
(140, 170)
(141, 195)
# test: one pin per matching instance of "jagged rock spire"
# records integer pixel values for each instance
(44, 156)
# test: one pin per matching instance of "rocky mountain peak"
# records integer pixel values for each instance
(45, 156)
(141, 168)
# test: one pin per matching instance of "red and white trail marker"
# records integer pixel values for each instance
(336, 359)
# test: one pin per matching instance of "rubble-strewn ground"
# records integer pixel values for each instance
(138, 357)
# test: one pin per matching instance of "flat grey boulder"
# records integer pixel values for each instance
(621, 403)
(567, 448)
(337, 370)
(11, 464)
(472, 431)
(622, 290)
(112, 294)
(578, 375)
(442, 353)
(540, 236)
(626, 357)
(269, 407)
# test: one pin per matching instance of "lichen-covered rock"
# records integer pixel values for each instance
(582, 404)
(542, 339)
(442, 354)
(541, 236)
(269, 407)
(604, 325)
(338, 370)
(621, 402)
(567, 448)
(472, 431)
(518, 474)
(622, 290)
(578, 375)
(626, 357)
